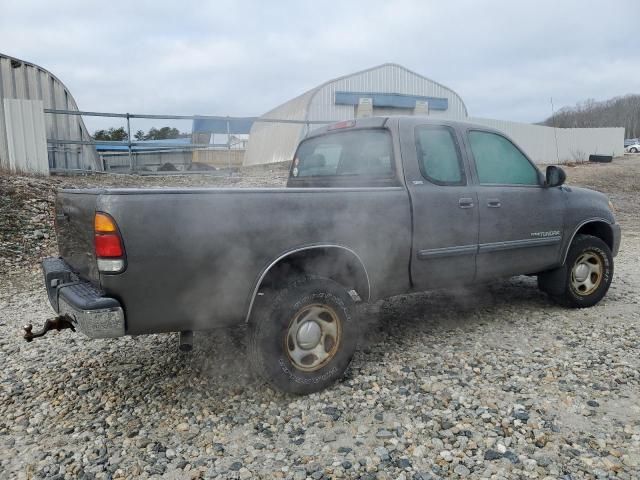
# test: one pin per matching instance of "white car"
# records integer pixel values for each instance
(633, 148)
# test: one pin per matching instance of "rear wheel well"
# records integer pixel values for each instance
(340, 265)
(602, 230)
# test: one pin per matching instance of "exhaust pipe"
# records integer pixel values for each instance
(185, 343)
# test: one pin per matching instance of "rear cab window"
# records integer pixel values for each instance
(358, 157)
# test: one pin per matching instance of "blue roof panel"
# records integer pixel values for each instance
(237, 125)
(393, 100)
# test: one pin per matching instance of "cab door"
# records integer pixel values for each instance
(444, 206)
(521, 220)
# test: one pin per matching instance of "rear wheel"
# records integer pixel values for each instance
(304, 340)
(586, 276)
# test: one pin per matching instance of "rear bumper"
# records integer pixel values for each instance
(617, 235)
(90, 312)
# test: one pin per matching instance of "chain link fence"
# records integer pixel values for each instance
(215, 143)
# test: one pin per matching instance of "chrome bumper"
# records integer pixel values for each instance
(90, 312)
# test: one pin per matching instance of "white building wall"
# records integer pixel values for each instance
(573, 144)
(276, 142)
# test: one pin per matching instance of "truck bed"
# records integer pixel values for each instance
(194, 255)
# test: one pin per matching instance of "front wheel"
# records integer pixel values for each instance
(303, 341)
(634, 150)
(586, 276)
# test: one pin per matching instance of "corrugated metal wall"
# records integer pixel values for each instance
(26, 140)
(573, 144)
(23, 80)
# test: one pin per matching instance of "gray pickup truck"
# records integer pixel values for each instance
(373, 208)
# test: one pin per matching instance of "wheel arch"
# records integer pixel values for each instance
(341, 264)
(597, 227)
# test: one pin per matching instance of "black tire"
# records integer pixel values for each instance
(634, 150)
(566, 288)
(270, 335)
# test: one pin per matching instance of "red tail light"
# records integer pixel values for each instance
(108, 246)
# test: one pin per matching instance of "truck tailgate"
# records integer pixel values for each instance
(75, 212)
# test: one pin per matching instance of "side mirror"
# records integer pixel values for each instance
(555, 176)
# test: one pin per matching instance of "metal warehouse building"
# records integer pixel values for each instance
(391, 89)
(25, 91)
(388, 89)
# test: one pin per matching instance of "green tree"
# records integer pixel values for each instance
(139, 135)
(162, 133)
(111, 135)
(118, 134)
(616, 112)
(100, 135)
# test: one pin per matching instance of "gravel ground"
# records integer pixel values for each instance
(492, 383)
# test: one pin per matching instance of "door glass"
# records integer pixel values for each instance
(498, 161)
(438, 155)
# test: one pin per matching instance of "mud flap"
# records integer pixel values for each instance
(553, 281)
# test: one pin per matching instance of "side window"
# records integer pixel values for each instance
(499, 162)
(438, 155)
(358, 152)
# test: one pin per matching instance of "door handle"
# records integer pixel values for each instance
(494, 203)
(465, 203)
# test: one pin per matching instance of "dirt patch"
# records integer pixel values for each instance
(620, 180)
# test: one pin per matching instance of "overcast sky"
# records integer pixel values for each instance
(505, 58)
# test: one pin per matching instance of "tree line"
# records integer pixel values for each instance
(120, 134)
(615, 112)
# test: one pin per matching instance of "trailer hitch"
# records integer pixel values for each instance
(58, 323)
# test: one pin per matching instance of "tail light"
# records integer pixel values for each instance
(108, 244)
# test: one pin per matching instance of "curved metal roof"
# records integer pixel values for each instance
(307, 97)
